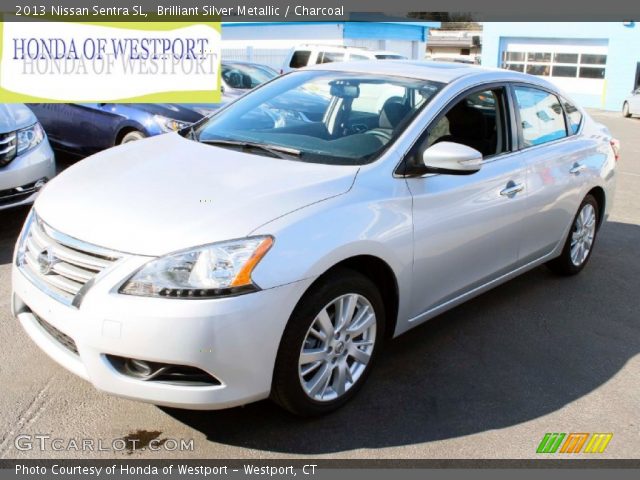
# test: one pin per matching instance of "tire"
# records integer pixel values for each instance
(324, 391)
(625, 110)
(132, 137)
(572, 261)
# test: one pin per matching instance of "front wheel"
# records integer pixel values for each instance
(625, 110)
(329, 344)
(579, 244)
(132, 136)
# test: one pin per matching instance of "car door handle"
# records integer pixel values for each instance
(577, 168)
(512, 189)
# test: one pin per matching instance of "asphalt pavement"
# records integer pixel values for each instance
(485, 380)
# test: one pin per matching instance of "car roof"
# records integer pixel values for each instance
(243, 62)
(443, 72)
(384, 52)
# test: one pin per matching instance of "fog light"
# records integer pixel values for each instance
(162, 372)
(139, 367)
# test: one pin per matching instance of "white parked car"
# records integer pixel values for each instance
(631, 105)
(26, 159)
(307, 55)
(232, 262)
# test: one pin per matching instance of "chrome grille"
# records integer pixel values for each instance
(61, 265)
(8, 147)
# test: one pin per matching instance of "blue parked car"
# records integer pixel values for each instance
(81, 129)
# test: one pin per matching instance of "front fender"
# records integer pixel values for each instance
(310, 241)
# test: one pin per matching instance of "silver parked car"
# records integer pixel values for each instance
(631, 105)
(236, 261)
(26, 159)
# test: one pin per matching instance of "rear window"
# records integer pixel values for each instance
(330, 57)
(300, 59)
(574, 115)
(389, 56)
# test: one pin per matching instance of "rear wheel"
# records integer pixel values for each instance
(579, 244)
(329, 345)
(625, 110)
(132, 136)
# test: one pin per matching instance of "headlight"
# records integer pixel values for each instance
(210, 271)
(169, 124)
(29, 138)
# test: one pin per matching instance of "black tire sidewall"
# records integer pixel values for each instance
(286, 389)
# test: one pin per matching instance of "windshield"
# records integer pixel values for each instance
(245, 76)
(324, 117)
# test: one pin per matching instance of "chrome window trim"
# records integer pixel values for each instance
(476, 87)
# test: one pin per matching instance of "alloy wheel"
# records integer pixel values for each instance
(337, 347)
(584, 230)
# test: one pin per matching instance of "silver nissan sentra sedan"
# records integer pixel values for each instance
(262, 253)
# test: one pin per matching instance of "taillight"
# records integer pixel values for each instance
(615, 146)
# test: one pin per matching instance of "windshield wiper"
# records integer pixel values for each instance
(274, 150)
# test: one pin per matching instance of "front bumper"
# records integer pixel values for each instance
(235, 339)
(23, 172)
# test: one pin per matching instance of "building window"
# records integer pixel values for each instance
(590, 72)
(539, 57)
(563, 71)
(518, 67)
(594, 59)
(540, 70)
(465, 51)
(514, 57)
(561, 65)
(565, 58)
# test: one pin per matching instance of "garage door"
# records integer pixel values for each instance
(576, 66)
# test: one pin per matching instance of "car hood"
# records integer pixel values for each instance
(177, 111)
(167, 193)
(14, 116)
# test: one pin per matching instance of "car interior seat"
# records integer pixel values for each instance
(393, 112)
(468, 126)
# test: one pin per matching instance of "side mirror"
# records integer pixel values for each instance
(452, 159)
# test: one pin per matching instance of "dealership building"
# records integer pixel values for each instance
(596, 63)
(270, 42)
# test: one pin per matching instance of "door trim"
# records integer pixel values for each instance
(463, 297)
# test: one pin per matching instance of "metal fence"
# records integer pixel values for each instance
(273, 57)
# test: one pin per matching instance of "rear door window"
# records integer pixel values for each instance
(300, 59)
(541, 116)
